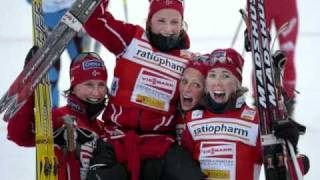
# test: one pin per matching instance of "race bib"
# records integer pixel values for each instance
(218, 160)
(153, 90)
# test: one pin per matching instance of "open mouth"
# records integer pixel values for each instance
(94, 100)
(218, 95)
(186, 102)
(187, 99)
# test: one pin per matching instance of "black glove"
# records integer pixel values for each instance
(117, 172)
(30, 54)
(247, 43)
(279, 58)
(289, 130)
(103, 164)
(103, 155)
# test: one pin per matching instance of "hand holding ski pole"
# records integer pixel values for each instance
(289, 130)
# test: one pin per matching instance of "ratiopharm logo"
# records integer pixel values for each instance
(142, 53)
(224, 128)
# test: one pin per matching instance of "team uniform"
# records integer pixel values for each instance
(70, 164)
(73, 162)
(139, 117)
(226, 145)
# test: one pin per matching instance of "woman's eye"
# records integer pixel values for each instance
(102, 85)
(226, 76)
(183, 81)
(196, 85)
(212, 75)
(161, 20)
(89, 84)
(174, 22)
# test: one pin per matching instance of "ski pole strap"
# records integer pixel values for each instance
(69, 122)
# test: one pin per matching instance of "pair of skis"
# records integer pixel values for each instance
(46, 163)
(279, 158)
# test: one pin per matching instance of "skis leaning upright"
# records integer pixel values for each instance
(46, 167)
(46, 56)
(278, 156)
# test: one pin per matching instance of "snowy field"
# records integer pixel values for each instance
(212, 24)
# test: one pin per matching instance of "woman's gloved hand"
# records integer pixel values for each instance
(289, 130)
(30, 54)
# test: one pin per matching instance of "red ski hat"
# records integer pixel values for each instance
(156, 5)
(228, 59)
(198, 65)
(87, 66)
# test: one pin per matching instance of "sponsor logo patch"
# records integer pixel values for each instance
(224, 128)
(248, 114)
(114, 86)
(142, 53)
(218, 160)
(196, 114)
(91, 64)
(154, 90)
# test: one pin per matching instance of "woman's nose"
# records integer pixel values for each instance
(187, 87)
(167, 29)
(96, 91)
(217, 82)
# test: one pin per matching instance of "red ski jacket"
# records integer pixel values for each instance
(226, 145)
(144, 91)
(21, 130)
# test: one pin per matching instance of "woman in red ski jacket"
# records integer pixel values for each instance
(140, 117)
(224, 135)
(191, 89)
(85, 101)
(223, 132)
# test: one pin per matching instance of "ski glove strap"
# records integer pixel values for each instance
(85, 154)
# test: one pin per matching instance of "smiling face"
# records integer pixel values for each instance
(166, 22)
(221, 84)
(191, 88)
(93, 91)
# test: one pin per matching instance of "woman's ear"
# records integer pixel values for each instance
(184, 26)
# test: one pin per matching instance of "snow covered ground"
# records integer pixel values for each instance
(211, 25)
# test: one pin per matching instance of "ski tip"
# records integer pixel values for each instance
(5, 102)
(12, 110)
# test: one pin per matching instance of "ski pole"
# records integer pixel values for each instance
(281, 29)
(125, 8)
(294, 161)
(235, 36)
